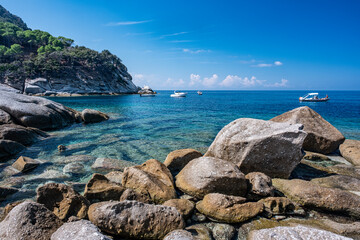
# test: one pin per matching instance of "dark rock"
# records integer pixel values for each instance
(62, 200)
(322, 137)
(131, 219)
(61, 148)
(20, 134)
(200, 231)
(25, 164)
(99, 189)
(6, 191)
(9, 148)
(29, 221)
(211, 175)
(93, 116)
(78, 230)
(260, 146)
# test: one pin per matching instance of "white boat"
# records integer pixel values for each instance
(198, 92)
(313, 97)
(178, 94)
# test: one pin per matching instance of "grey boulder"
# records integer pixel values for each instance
(93, 116)
(28, 221)
(322, 137)
(260, 146)
(79, 230)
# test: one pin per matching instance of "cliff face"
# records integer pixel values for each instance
(35, 62)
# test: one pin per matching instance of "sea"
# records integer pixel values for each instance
(142, 128)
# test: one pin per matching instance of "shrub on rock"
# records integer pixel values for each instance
(260, 146)
(131, 219)
(322, 137)
(211, 175)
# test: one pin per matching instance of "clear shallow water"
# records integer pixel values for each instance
(141, 128)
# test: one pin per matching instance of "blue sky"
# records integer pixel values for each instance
(237, 45)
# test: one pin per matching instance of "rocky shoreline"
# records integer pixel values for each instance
(254, 182)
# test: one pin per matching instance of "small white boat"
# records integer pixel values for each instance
(313, 97)
(178, 94)
(198, 92)
(148, 95)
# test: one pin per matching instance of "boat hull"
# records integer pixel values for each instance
(178, 95)
(147, 95)
(314, 100)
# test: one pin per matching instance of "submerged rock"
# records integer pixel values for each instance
(350, 150)
(28, 221)
(229, 209)
(25, 164)
(211, 175)
(310, 195)
(298, 232)
(260, 146)
(151, 178)
(99, 189)
(176, 160)
(109, 164)
(78, 230)
(74, 168)
(9, 148)
(322, 137)
(131, 219)
(62, 200)
(93, 116)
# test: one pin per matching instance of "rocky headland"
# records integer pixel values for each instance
(34, 62)
(254, 182)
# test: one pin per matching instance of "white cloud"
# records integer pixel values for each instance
(278, 63)
(195, 51)
(208, 82)
(125, 23)
(283, 83)
(173, 34)
(194, 79)
(234, 80)
(230, 80)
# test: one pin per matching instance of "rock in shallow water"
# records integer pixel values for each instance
(8, 148)
(93, 116)
(25, 164)
(109, 164)
(260, 146)
(79, 230)
(23, 135)
(131, 219)
(211, 175)
(36, 112)
(322, 137)
(298, 232)
(28, 221)
(62, 200)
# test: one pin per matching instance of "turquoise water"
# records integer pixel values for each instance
(141, 128)
(150, 127)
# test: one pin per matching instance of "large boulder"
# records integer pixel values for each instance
(25, 136)
(322, 137)
(62, 200)
(36, 112)
(79, 230)
(93, 116)
(28, 221)
(99, 189)
(350, 150)
(131, 219)
(151, 178)
(211, 175)
(229, 209)
(260, 146)
(176, 160)
(9, 148)
(298, 232)
(310, 195)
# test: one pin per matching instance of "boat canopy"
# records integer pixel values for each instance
(313, 94)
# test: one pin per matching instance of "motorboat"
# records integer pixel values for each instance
(178, 94)
(198, 92)
(313, 97)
